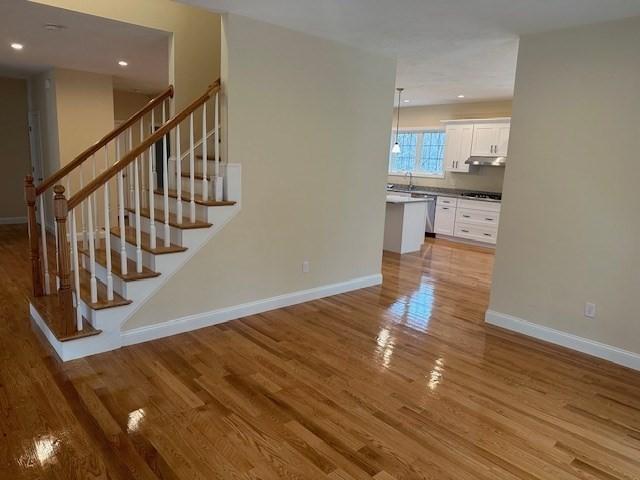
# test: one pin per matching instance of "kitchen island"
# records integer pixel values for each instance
(404, 224)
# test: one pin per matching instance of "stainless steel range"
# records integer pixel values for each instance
(483, 195)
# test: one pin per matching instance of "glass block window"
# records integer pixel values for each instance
(421, 152)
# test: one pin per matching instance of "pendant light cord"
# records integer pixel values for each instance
(398, 120)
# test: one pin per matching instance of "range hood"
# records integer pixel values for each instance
(487, 161)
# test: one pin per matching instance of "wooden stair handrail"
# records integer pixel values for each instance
(121, 164)
(76, 162)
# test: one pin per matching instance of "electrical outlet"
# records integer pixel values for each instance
(305, 266)
(590, 310)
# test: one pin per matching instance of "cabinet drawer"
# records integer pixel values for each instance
(476, 232)
(445, 220)
(447, 201)
(477, 217)
(479, 205)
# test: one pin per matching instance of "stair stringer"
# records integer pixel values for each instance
(111, 320)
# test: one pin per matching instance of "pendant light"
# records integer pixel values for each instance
(396, 146)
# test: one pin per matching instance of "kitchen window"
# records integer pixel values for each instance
(421, 153)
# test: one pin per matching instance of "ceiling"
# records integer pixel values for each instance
(88, 43)
(444, 47)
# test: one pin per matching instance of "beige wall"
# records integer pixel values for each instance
(309, 121)
(483, 178)
(14, 139)
(194, 49)
(84, 105)
(569, 229)
(125, 104)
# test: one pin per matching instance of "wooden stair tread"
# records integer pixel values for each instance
(85, 292)
(198, 199)
(49, 309)
(173, 219)
(131, 276)
(145, 242)
(209, 157)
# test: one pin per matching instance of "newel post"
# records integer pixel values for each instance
(34, 249)
(64, 263)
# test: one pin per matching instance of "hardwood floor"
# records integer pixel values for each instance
(403, 381)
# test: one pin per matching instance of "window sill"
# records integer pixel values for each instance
(417, 175)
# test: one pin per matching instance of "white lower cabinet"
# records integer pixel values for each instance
(445, 215)
(468, 219)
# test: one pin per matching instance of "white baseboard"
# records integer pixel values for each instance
(12, 220)
(205, 319)
(557, 337)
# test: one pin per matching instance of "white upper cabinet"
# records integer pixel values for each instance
(503, 139)
(457, 147)
(491, 138)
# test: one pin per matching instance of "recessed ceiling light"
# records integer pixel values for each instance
(406, 101)
(122, 63)
(53, 26)
(460, 96)
(17, 46)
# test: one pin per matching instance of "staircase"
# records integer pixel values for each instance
(108, 229)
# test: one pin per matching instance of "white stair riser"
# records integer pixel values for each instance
(175, 234)
(210, 166)
(121, 287)
(201, 210)
(186, 186)
(148, 259)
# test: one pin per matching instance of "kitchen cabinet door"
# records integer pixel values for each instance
(503, 140)
(445, 220)
(485, 136)
(457, 147)
(490, 139)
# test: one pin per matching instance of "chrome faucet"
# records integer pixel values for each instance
(410, 175)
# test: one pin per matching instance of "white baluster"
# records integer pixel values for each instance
(136, 176)
(82, 217)
(131, 180)
(123, 248)
(216, 148)
(96, 238)
(165, 183)
(141, 166)
(107, 241)
(192, 168)
(92, 253)
(205, 180)
(45, 253)
(178, 177)
(76, 268)
(55, 233)
(152, 187)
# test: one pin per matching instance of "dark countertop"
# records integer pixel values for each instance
(440, 191)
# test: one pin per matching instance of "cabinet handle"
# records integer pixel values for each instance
(466, 216)
(445, 208)
(465, 231)
(487, 235)
(490, 219)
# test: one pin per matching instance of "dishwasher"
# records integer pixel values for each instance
(431, 212)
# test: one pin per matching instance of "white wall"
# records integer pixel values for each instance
(308, 119)
(569, 227)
